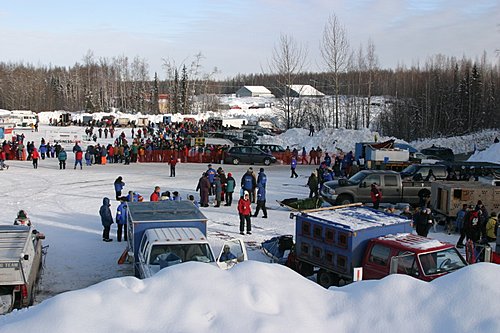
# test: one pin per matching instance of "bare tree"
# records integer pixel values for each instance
(335, 52)
(371, 66)
(287, 61)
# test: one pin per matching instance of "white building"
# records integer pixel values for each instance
(254, 91)
(304, 90)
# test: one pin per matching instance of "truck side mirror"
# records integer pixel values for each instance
(362, 184)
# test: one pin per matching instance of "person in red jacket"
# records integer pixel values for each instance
(78, 158)
(155, 196)
(376, 196)
(245, 212)
(173, 162)
(35, 156)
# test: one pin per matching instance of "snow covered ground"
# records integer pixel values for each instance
(85, 290)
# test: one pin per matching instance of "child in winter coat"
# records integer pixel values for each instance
(121, 219)
(244, 211)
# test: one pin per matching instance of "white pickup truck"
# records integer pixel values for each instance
(165, 233)
(165, 247)
(20, 265)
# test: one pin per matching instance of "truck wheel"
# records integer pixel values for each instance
(305, 269)
(344, 199)
(267, 161)
(236, 161)
(136, 272)
(326, 279)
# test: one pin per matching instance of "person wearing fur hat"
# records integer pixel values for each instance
(245, 211)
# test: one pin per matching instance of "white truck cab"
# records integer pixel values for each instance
(165, 247)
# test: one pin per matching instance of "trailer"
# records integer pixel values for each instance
(448, 197)
(23, 119)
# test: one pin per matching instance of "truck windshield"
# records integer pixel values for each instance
(357, 178)
(441, 261)
(167, 255)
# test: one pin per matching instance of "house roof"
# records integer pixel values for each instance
(258, 89)
(305, 90)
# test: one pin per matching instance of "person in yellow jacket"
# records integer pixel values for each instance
(491, 226)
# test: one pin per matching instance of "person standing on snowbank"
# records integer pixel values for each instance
(106, 219)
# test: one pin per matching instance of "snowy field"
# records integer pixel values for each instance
(83, 288)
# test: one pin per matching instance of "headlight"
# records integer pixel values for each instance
(328, 190)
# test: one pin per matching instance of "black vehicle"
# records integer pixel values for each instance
(446, 154)
(420, 171)
(270, 147)
(233, 138)
(250, 137)
(248, 155)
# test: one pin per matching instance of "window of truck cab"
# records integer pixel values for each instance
(391, 180)
(370, 179)
(443, 261)
(379, 255)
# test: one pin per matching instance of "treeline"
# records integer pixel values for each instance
(444, 96)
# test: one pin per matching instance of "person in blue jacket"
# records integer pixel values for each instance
(293, 165)
(328, 160)
(261, 194)
(211, 175)
(106, 219)
(121, 220)
(119, 184)
(230, 185)
(226, 254)
(248, 182)
(43, 150)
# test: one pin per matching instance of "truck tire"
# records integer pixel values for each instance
(267, 161)
(236, 161)
(305, 269)
(344, 199)
(326, 279)
(136, 271)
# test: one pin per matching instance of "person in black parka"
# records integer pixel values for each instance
(106, 219)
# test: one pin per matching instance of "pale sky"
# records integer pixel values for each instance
(239, 36)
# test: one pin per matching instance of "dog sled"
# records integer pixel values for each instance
(296, 204)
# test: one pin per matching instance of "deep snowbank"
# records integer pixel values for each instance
(258, 297)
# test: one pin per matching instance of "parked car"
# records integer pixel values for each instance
(231, 137)
(270, 147)
(411, 172)
(248, 155)
(443, 153)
